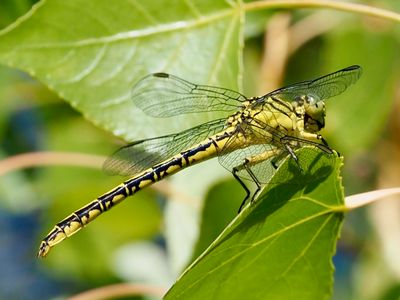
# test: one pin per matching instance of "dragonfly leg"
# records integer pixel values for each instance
(256, 181)
(323, 140)
(294, 156)
(246, 166)
(234, 172)
(319, 137)
(314, 139)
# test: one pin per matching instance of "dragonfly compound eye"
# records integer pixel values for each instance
(312, 100)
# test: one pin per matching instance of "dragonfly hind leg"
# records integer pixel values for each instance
(234, 172)
(246, 167)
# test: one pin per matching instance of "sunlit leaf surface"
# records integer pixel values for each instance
(91, 53)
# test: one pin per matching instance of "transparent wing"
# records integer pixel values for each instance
(250, 141)
(141, 155)
(321, 88)
(165, 95)
(262, 170)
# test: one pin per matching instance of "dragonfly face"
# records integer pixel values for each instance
(314, 113)
(260, 133)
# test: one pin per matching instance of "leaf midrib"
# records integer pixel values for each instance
(141, 33)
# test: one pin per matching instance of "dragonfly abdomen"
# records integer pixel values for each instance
(77, 220)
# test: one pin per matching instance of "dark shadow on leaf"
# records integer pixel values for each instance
(278, 194)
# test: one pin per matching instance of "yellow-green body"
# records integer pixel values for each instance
(277, 114)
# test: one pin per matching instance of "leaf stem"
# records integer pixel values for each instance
(46, 158)
(358, 200)
(343, 6)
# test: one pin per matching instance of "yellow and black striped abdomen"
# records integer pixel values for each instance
(77, 220)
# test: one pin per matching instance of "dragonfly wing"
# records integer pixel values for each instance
(141, 155)
(165, 95)
(250, 141)
(321, 88)
(262, 170)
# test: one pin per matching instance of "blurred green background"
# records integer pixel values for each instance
(162, 225)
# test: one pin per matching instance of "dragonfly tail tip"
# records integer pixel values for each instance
(43, 250)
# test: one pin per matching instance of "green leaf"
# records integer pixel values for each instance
(280, 247)
(11, 9)
(91, 52)
(220, 207)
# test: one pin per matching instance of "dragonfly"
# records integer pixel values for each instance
(252, 142)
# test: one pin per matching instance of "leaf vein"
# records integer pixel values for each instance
(177, 50)
(127, 35)
(221, 56)
(118, 67)
(193, 9)
(90, 67)
(229, 260)
(143, 10)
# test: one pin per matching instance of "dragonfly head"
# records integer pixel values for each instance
(314, 112)
(314, 116)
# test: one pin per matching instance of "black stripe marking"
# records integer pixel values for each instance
(280, 110)
(214, 143)
(79, 219)
(284, 103)
(85, 211)
(162, 169)
(186, 158)
(225, 135)
(107, 199)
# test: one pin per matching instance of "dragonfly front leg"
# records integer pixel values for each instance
(314, 139)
